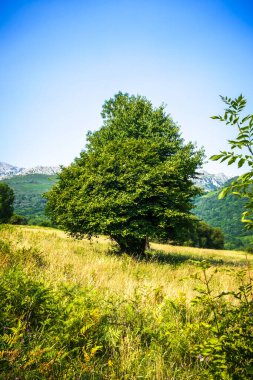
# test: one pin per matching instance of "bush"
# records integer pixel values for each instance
(18, 220)
(226, 352)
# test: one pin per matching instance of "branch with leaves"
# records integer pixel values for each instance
(241, 153)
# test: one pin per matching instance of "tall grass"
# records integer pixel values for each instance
(74, 310)
(85, 262)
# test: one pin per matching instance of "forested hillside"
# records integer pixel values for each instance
(225, 214)
(28, 190)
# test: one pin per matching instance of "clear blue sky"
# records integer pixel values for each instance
(60, 59)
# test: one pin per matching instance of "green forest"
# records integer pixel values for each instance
(226, 215)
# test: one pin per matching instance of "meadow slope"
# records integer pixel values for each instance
(75, 310)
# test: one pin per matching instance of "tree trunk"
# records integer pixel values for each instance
(131, 245)
(147, 245)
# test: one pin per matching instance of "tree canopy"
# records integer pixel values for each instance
(6, 202)
(133, 181)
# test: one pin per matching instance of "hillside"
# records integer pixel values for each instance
(225, 214)
(204, 179)
(28, 190)
(70, 309)
(29, 185)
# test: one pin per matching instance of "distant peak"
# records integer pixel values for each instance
(8, 171)
(49, 170)
(211, 181)
(204, 179)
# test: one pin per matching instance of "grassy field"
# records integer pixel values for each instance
(74, 310)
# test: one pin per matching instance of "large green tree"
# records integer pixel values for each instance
(133, 181)
(6, 202)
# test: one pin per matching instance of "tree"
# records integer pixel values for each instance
(6, 202)
(241, 153)
(18, 220)
(208, 237)
(133, 181)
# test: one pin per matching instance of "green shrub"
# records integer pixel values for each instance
(227, 350)
(18, 219)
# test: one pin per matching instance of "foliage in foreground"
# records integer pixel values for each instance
(73, 332)
(227, 348)
(241, 153)
(133, 181)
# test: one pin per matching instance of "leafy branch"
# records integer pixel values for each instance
(241, 153)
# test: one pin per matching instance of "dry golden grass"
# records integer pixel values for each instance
(89, 263)
(211, 254)
(141, 314)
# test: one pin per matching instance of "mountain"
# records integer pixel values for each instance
(9, 171)
(28, 186)
(205, 180)
(210, 182)
(46, 170)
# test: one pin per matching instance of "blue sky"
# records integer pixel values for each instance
(61, 59)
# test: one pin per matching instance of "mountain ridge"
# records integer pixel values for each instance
(9, 171)
(207, 181)
(211, 182)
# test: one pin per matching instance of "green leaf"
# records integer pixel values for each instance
(232, 160)
(224, 192)
(226, 158)
(216, 157)
(241, 162)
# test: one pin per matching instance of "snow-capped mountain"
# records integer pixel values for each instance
(8, 171)
(211, 181)
(205, 180)
(48, 170)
